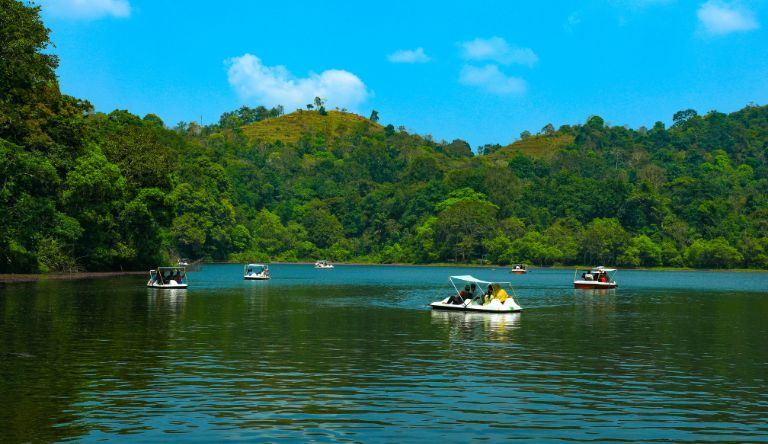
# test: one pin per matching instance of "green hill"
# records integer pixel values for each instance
(538, 147)
(291, 128)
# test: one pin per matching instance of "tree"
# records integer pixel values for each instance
(458, 148)
(423, 242)
(563, 235)
(27, 202)
(28, 86)
(680, 118)
(534, 248)
(642, 210)
(715, 253)
(374, 116)
(602, 241)
(499, 249)
(463, 226)
(642, 251)
(488, 148)
(323, 228)
(93, 193)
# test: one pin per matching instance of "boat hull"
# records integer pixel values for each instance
(168, 286)
(592, 285)
(493, 307)
(519, 271)
(256, 278)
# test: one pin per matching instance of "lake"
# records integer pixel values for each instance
(354, 354)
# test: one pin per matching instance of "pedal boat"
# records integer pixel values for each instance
(168, 277)
(476, 305)
(256, 272)
(324, 265)
(519, 269)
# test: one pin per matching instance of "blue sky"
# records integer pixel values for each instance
(481, 71)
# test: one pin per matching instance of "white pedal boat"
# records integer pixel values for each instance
(256, 272)
(477, 303)
(168, 277)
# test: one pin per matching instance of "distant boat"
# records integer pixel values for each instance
(256, 272)
(168, 277)
(519, 269)
(323, 264)
(183, 262)
(477, 302)
(595, 278)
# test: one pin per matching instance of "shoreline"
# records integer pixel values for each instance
(31, 277)
(508, 267)
(12, 278)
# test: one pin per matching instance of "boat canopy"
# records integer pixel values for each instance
(255, 265)
(161, 269)
(468, 278)
(607, 270)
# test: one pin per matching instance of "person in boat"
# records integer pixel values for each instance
(499, 293)
(488, 294)
(603, 277)
(495, 292)
(464, 294)
(461, 297)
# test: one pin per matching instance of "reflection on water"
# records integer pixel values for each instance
(167, 298)
(355, 354)
(493, 326)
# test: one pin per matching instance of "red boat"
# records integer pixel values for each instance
(595, 278)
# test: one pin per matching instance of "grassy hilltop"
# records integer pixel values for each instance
(537, 147)
(293, 127)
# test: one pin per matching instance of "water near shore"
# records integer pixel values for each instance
(354, 354)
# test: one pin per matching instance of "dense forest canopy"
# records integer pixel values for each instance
(84, 190)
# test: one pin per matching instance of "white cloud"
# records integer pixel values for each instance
(274, 85)
(87, 9)
(409, 56)
(497, 49)
(572, 22)
(490, 79)
(717, 17)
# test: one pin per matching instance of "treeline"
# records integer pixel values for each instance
(81, 190)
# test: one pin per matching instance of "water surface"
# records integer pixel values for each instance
(355, 354)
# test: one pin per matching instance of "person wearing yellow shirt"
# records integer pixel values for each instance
(495, 292)
(499, 293)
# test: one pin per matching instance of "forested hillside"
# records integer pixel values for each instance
(83, 190)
